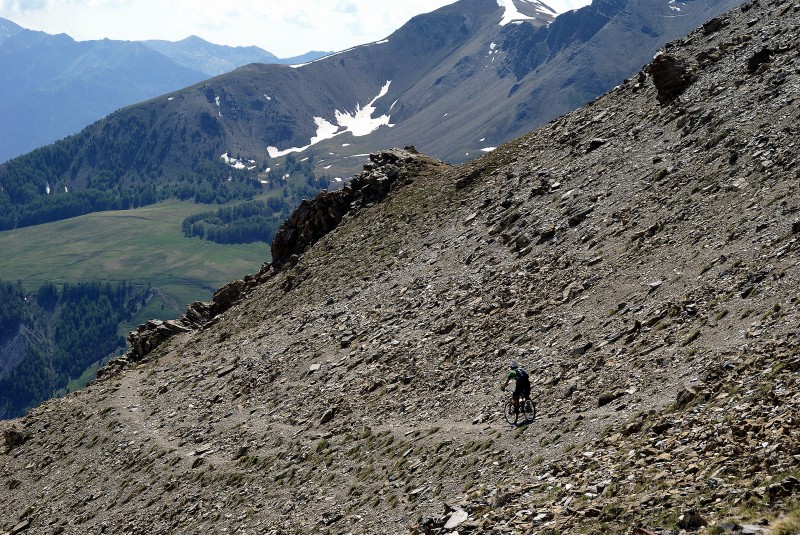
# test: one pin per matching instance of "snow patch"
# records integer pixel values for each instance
(299, 65)
(233, 162)
(512, 13)
(47, 189)
(359, 123)
(488, 149)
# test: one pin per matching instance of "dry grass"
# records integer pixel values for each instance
(788, 525)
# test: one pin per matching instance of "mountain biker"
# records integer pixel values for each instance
(523, 384)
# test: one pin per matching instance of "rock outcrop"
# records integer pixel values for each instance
(671, 76)
(316, 217)
(312, 220)
(198, 315)
(13, 437)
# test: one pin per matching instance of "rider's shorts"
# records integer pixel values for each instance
(523, 390)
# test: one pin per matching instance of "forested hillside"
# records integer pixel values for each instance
(50, 339)
(45, 185)
(31, 193)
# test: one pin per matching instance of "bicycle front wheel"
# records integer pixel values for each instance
(510, 412)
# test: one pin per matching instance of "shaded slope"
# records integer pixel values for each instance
(627, 252)
(54, 86)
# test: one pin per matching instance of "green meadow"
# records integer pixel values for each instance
(144, 246)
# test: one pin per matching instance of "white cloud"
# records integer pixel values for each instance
(283, 27)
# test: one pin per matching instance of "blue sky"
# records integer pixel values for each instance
(283, 27)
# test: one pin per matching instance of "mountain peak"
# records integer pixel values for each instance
(8, 28)
(194, 39)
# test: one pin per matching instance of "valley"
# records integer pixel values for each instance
(169, 269)
(154, 251)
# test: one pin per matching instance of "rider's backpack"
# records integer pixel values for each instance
(522, 375)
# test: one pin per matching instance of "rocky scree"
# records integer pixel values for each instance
(638, 256)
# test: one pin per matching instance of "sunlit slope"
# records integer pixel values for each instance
(146, 244)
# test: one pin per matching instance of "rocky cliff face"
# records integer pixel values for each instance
(638, 256)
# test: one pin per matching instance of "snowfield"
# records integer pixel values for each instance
(359, 123)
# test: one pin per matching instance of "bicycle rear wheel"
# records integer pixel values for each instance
(528, 408)
(510, 413)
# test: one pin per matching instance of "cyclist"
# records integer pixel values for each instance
(522, 390)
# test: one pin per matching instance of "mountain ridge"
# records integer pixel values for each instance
(442, 73)
(196, 53)
(54, 86)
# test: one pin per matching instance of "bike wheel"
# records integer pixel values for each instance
(529, 409)
(510, 413)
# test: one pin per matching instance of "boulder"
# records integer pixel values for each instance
(671, 76)
(13, 437)
(691, 520)
(458, 517)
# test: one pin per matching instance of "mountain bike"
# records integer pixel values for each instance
(527, 409)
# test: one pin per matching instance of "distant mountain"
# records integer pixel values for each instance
(454, 82)
(200, 55)
(52, 86)
(7, 29)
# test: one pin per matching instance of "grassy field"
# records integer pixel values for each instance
(144, 246)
